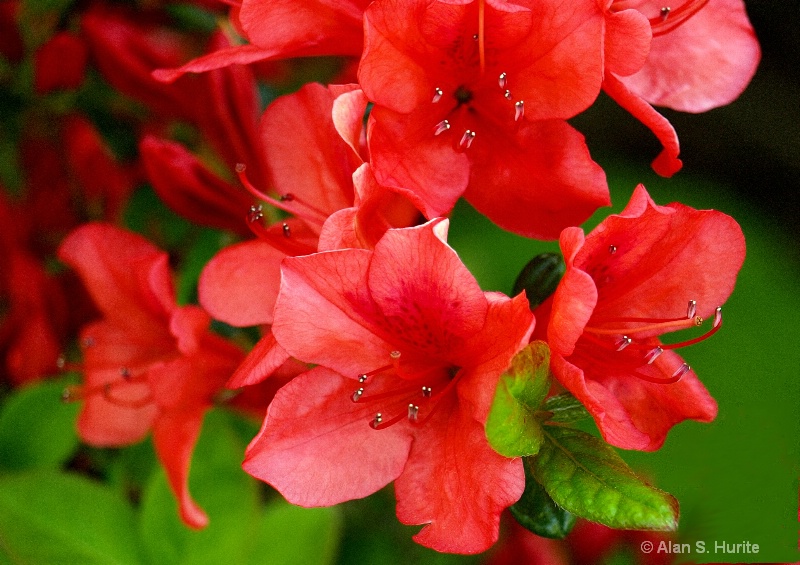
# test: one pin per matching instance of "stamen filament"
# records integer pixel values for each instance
(317, 217)
(673, 18)
(482, 34)
(678, 324)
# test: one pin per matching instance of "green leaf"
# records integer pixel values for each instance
(290, 535)
(537, 512)
(565, 408)
(48, 517)
(586, 477)
(227, 494)
(540, 277)
(511, 427)
(37, 430)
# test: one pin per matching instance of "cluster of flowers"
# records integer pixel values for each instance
(387, 349)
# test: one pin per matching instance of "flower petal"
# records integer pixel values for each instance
(240, 284)
(316, 445)
(456, 484)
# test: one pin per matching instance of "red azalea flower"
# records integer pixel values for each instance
(149, 364)
(702, 55)
(409, 350)
(470, 99)
(626, 283)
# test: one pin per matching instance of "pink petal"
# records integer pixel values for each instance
(702, 64)
(316, 445)
(240, 284)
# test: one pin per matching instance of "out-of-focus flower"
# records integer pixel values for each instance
(60, 63)
(149, 364)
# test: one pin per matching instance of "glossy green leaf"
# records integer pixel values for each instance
(48, 517)
(291, 535)
(537, 512)
(227, 494)
(512, 428)
(540, 277)
(565, 408)
(586, 477)
(37, 429)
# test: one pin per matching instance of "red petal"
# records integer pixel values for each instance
(189, 325)
(665, 256)
(574, 299)
(306, 155)
(175, 434)
(627, 42)
(303, 28)
(408, 158)
(60, 63)
(535, 181)
(266, 357)
(667, 162)
(237, 55)
(324, 313)
(316, 445)
(456, 484)
(191, 189)
(127, 277)
(427, 297)
(240, 284)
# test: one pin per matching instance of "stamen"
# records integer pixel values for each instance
(662, 325)
(316, 217)
(357, 394)
(413, 411)
(362, 378)
(718, 317)
(441, 127)
(466, 139)
(501, 80)
(669, 19)
(287, 231)
(519, 110)
(437, 95)
(426, 391)
(377, 421)
(256, 213)
(692, 309)
(680, 371)
(482, 34)
(653, 354)
(612, 249)
(291, 197)
(507, 95)
(395, 354)
(623, 343)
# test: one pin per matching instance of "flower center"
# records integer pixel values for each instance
(414, 394)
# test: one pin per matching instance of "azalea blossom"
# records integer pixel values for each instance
(148, 364)
(700, 55)
(408, 352)
(470, 99)
(645, 272)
